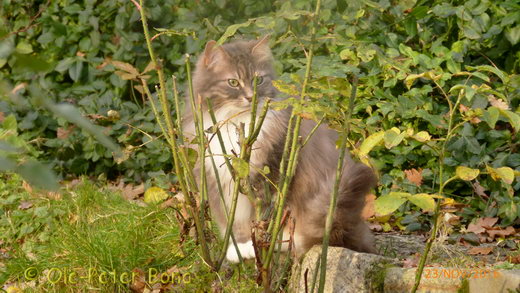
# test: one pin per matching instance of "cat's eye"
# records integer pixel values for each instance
(259, 80)
(233, 82)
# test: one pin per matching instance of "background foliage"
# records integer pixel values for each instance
(411, 57)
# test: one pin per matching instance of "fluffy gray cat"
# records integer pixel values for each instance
(225, 74)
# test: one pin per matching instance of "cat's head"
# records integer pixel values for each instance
(225, 73)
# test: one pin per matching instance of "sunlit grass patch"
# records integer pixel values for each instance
(95, 237)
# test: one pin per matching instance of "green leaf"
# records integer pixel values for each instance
(393, 137)
(31, 63)
(423, 200)
(7, 164)
(410, 25)
(64, 64)
(241, 167)
(466, 173)
(513, 118)
(10, 123)
(347, 54)
(24, 48)
(75, 70)
(72, 114)
(390, 202)
(232, 29)
(443, 10)
(513, 34)
(38, 175)
(366, 55)
(7, 147)
(490, 116)
(471, 33)
(488, 68)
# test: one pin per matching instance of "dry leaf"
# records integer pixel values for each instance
(375, 227)
(414, 176)
(481, 250)
(95, 116)
(501, 232)
(130, 192)
(499, 103)
(475, 120)
(479, 190)
(139, 283)
(105, 63)
(53, 195)
(27, 187)
(171, 202)
(451, 219)
(63, 133)
(515, 259)
(487, 222)
(481, 225)
(25, 205)
(18, 87)
(368, 210)
(2, 117)
(463, 109)
(411, 261)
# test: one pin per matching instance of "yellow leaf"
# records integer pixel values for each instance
(387, 227)
(13, 289)
(505, 173)
(449, 201)
(370, 143)
(286, 88)
(155, 195)
(423, 200)
(466, 173)
(422, 136)
(411, 78)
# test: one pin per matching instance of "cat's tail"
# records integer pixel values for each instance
(349, 229)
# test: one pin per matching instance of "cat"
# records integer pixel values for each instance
(225, 74)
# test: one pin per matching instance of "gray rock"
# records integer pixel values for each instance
(350, 271)
(347, 271)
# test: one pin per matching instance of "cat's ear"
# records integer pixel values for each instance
(212, 53)
(261, 48)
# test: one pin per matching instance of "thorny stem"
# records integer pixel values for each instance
(293, 155)
(171, 135)
(246, 144)
(222, 200)
(436, 212)
(333, 199)
(199, 125)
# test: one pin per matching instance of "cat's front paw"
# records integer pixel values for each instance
(246, 251)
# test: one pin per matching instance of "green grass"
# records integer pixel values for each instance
(88, 231)
(97, 239)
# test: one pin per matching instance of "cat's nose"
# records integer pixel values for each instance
(248, 93)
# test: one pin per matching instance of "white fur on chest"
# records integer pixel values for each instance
(229, 119)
